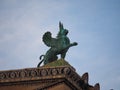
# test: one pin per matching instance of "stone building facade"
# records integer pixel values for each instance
(58, 75)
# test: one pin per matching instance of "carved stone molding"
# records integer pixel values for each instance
(38, 73)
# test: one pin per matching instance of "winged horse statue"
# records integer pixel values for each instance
(58, 45)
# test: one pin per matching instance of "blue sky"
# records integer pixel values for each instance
(94, 24)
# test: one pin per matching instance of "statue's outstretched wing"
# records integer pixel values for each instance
(48, 40)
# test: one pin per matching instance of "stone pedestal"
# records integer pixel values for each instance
(58, 75)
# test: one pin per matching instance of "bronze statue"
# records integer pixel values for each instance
(58, 45)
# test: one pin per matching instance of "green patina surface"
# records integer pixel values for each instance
(58, 46)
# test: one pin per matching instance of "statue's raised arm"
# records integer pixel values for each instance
(58, 45)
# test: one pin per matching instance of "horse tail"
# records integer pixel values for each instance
(41, 61)
(41, 56)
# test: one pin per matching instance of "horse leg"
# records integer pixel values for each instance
(50, 56)
(63, 55)
(47, 57)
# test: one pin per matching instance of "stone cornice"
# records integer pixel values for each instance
(39, 74)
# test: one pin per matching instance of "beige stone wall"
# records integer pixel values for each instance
(20, 87)
(60, 87)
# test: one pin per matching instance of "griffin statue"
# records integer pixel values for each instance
(58, 45)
